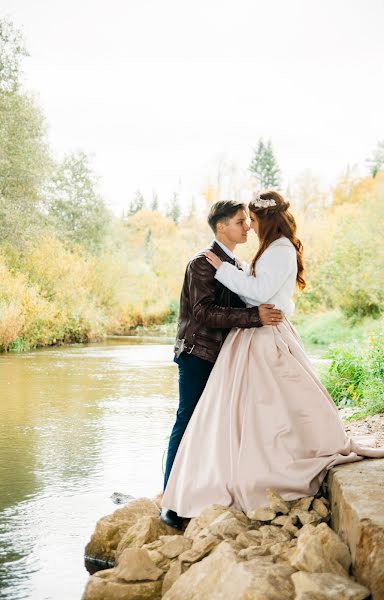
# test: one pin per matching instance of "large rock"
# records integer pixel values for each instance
(356, 494)
(302, 503)
(223, 575)
(110, 529)
(320, 550)
(174, 545)
(176, 569)
(211, 514)
(276, 502)
(263, 513)
(146, 530)
(200, 548)
(320, 507)
(104, 585)
(135, 577)
(252, 537)
(226, 526)
(202, 579)
(135, 565)
(274, 534)
(326, 586)
(306, 517)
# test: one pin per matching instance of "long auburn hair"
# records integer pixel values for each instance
(275, 222)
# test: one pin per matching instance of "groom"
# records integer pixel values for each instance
(208, 311)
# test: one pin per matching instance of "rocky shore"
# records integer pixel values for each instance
(283, 551)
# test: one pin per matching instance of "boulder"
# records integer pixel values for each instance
(302, 503)
(253, 551)
(176, 569)
(110, 529)
(327, 586)
(105, 585)
(200, 548)
(264, 513)
(320, 550)
(147, 529)
(223, 575)
(274, 534)
(136, 565)
(173, 545)
(320, 507)
(277, 503)
(226, 527)
(281, 520)
(202, 579)
(250, 538)
(305, 517)
(356, 494)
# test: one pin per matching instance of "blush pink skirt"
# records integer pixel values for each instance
(263, 421)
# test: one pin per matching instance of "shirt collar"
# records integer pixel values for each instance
(226, 250)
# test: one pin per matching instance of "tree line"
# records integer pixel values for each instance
(72, 271)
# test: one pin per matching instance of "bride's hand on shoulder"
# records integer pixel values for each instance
(213, 259)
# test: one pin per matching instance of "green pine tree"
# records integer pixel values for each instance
(155, 202)
(376, 163)
(264, 166)
(174, 210)
(136, 204)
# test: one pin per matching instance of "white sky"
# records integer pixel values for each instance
(156, 90)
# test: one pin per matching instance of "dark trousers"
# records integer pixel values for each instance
(193, 375)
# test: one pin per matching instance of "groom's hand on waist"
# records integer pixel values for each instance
(270, 315)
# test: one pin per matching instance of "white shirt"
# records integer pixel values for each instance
(226, 250)
(275, 281)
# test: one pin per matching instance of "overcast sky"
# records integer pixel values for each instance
(156, 90)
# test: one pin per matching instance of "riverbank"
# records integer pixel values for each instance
(328, 546)
(318, 330)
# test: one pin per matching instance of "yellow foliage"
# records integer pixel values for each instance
(53, 293)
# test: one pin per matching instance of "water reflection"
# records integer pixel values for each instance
(76, 425)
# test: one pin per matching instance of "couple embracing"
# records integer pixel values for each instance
(252, 412)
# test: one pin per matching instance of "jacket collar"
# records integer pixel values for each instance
(216, 249)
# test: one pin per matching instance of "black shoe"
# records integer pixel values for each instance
(169, 517)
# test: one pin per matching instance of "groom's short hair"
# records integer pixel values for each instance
(222, 211)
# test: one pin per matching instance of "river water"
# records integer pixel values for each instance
(76, 424)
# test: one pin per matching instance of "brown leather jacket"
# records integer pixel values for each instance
(208, 310)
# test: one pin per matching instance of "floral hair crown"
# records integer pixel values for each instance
(261, 202)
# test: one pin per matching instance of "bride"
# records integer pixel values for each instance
(264, 419)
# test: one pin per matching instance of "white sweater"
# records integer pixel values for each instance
(275, 281)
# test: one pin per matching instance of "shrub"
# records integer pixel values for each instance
(355, 376)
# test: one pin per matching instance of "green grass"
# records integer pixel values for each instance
(319, 331)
